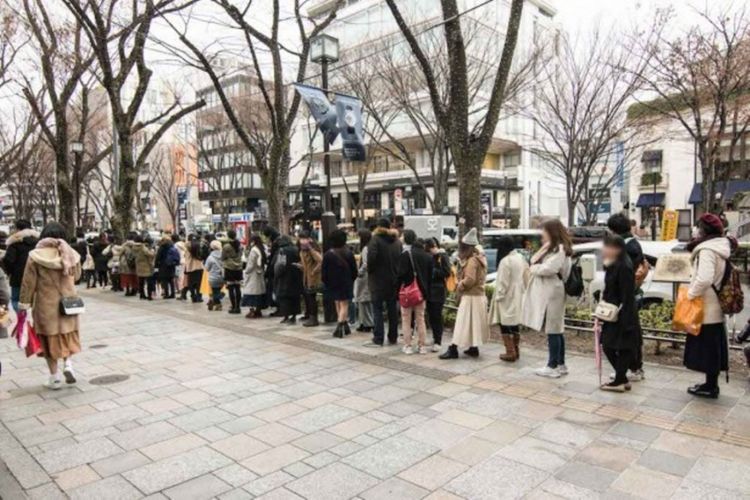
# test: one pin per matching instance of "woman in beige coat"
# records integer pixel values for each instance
(507, 301)
(472, 328)
(51, 272)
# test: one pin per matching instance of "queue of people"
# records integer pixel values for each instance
(398, 279)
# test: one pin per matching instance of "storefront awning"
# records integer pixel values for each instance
(650, 200)
(728, 189)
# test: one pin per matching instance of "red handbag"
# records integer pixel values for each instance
(410, 295)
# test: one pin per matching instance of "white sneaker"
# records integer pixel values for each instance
(68, 373)
(407, 349)
(636, 376)
(435, 348)
(548, 372)
(54, 383)
(423, 350)
(562, 369)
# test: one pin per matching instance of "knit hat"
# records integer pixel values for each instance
(215, 245)
(471, 238)
(714, 222)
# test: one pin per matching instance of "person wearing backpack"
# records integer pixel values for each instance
(544, 300)
(620, 225)
(708, 352)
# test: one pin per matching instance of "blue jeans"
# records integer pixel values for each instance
(15, 296)
(379, 320)
(556, 345)
(216, 295)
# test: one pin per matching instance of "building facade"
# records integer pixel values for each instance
(516, 188)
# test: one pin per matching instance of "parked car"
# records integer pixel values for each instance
(528, 240)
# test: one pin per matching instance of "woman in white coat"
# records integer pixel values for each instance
(254, 284)
(507, 301)
(544, 300)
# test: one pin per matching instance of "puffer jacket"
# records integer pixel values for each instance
(19, 244)
(231, 257)
(383, 253)
(114, 252)
(144, 260)
(125, 257)
(709, 262)
(215, 269)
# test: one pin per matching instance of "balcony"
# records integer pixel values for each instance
(649, 179)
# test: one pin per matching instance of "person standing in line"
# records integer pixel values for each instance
(19, 245)
(167, 259)
(215, 268)
(89, 267)
(231, 257)
(544, 300)
(50, 275)
(287, 276)
(414, 264)
(254, 284)
(312, 263)
(708, 352)
(272, 237)
(101, 259)
(472, 327)
(507, 302)
(362, 296)
(339, 271)
(4, 305)
(144, 267)
(194, 270)
(620, 337)
(179, 270)
(441, 270)
(128, 278)
(113, 253)
(620, 225)
(383, 253)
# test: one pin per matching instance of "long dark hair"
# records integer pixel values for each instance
(364, 238)
(505, 246)
(558, 235)
(257, 242)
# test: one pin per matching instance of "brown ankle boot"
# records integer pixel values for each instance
(510, 348)
(516, 343)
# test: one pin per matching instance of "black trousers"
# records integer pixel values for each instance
(146, 286)
(235, 296)
(378, 308)
(435, 318)
(194, 284)
(167, 287)
(311, 303)
(101, 277)
(636, 360)
(620, 359)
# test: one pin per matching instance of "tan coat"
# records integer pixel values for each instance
(144, 260)
(312, 264)
(43, 282)
(472, 275)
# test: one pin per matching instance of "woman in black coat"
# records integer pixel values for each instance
(287, 280)
(436, 300)
(101, 259)
(339, 272)
(619, 338)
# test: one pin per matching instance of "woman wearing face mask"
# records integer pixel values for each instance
(544, 300)
(620, 336)
(708, 352)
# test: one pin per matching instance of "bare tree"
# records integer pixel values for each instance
(117, 32)
(700, 79)
(270, 152)
(32, 182)
(164, 175)
(468, 134)
(580, 114)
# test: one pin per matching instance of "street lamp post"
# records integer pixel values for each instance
(76, 148)
(324, 49)
(653, 209)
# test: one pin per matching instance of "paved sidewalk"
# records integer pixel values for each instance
(218, 406)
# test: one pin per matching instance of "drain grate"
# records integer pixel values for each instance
(98, 346)
(109, 379)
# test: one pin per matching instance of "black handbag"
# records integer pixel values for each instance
(72, 306)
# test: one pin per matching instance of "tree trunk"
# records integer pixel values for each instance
(468, 174)
(122, 219)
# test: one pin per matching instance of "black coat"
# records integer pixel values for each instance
(14, 260)
(441, 269)
(287, 278)
(634, 250)
(383, 253)
(100, 259)
(422, 265)
(619, 289)
(161, 261)
(339, 272)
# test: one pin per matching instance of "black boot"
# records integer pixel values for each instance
(339, 331)
(472, 352)
(311, 321)
(451, 353)
(347, 330)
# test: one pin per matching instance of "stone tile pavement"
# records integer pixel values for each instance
(218, 406)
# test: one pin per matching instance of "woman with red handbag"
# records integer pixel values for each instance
(50, 276)
(472, 326)
(415, 280)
